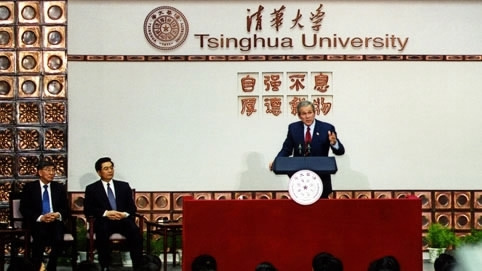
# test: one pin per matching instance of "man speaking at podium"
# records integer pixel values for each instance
(311, 137)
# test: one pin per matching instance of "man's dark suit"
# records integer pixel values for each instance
(294, 144)
(44, 234)
(96, 203)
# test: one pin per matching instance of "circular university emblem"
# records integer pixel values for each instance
(305, 187)
(166, 28)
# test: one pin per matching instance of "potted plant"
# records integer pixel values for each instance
(82, 239)
(438, 239)
(157, 246)
(473, 238)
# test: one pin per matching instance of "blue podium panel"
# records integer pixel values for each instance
(320, 164)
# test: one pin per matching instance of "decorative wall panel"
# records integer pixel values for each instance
(33, 100)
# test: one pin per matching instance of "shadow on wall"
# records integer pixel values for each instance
(346, 178)
(257, 176)
(87, 179)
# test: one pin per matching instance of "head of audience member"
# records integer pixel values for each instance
(21, 263)
(444, 262)
(88, 266)
(150, 263)
(265, 266)
(46, 171)
(204, 262)
(386, 263)
(105, 168)
(325, 261)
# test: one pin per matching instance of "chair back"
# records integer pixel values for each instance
(16, 218)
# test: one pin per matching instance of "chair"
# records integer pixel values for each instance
(116, 239)
(69, 246)
(16, 223)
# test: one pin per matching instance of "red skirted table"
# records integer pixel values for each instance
(242, 233)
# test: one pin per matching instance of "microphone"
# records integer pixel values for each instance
(308, 150)
(300, 149)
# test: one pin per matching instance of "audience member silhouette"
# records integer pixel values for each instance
(21, 263)
(204, 262)
(325, 261)
(88, 266)
(386, 263)
(150, 263)
(445, 262)
(265, 266)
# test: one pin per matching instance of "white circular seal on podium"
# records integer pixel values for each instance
(305, 187)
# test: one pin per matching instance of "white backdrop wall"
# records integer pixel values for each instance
(176, 126)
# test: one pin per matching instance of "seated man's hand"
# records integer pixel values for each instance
(50, 217)
(115, 215)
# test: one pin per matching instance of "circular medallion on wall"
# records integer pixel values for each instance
(305, 187)
(166, 28)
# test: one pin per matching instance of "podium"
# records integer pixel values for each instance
(321, 165)
(309, 176)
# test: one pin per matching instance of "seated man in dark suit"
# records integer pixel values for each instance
(43, 205)
(110, 202)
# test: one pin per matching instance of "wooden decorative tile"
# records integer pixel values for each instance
(426, 198)
(7, 87)
(401, 194)
(202, 196)
(160, 216)
(462, 199)
(143, 201)
(382, 195)
(177, 217)
(177, 200)
(463, 220)
(29, 87)
(443, 199)
(426, 220)
(263, 195)
(54, 12)
(343, 194)
(29, 37)
(54, 37)
(77, 201)
(7, 139)
(9, 62)
(363, 195)
(28, 112)
(29, 61)
(282, 195)
(161, 201)
(10, 13)
(243, 195)
(54, 62)
(478, 220)
(7, 113)
(222, 195)
(29, 12)
(444, 218)
(478, 199)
